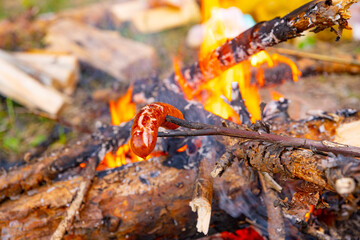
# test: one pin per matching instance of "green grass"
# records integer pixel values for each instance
(11, 8)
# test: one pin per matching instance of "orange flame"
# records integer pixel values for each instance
(213, 91)
(295, 71)
(121, 110)
(275, 95)
(308, 214)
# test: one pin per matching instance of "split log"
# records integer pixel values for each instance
(125, 11)
(349, 133)
(122, 58)
(170, 3)
(152, 20)
(28, 91)
(317, 15)
(63, 69)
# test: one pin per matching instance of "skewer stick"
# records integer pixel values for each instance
(202, 129)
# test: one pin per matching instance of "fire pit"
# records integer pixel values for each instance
(227, 166)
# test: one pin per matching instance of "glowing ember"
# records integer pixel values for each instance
(182, 149)
(242, 234)
(212, 92)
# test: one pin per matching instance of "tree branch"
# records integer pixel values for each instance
(202, 129)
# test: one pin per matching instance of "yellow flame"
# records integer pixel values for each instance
(121, 110)
(212, 92)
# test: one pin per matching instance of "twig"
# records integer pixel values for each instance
(203, 193)
(276, 226)
(316, 56)
(76, 203)
(207, 130)
(271, 182)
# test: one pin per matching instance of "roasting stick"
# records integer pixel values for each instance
(201, 129)
(73, 209)
(203, 193)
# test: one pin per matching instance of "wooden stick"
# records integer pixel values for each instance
(77, 202)
(275, 226)
(203, 193)
(316, 56)
(287, 141)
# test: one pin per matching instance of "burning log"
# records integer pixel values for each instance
(317, 15)
(115, 203)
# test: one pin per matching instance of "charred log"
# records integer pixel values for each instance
(45, 169)
(136, 201)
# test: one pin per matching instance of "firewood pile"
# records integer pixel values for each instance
(200, 175)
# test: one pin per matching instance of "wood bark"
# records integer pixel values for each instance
(136, 201)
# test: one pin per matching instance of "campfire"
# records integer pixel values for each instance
(199, 155)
